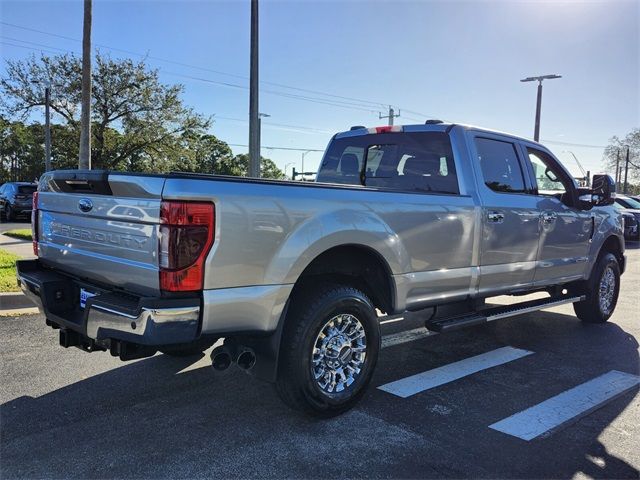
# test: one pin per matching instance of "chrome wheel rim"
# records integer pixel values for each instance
(607, 290)
(339, 353)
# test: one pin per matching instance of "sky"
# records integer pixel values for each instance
(328, 65)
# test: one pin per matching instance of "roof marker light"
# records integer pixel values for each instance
(386, 129)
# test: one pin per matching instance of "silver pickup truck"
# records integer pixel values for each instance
(294, 275)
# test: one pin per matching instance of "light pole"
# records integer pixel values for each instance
(303, 154)
(260, 117)
(536, 133)
(254, 116)
(287, 166)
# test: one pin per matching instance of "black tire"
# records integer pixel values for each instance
(187, 349)
(592, 310)
(9, 214)
(311, 312)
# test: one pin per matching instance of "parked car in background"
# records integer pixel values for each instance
(631, 231)
(16, 198)
(630, 207)
(636, 197)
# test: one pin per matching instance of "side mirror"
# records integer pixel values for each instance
(603, 190)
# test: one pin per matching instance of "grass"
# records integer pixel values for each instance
(20, 233)
(8, 272)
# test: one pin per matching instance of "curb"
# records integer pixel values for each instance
(14, 300)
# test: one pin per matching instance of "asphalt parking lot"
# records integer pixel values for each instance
(66, 413)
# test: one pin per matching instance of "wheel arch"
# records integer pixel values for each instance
(613, 244)
(354, 264)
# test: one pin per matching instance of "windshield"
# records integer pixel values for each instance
(628, 203)
(27, 189)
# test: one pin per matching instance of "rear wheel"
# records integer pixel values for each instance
(330, 347)
(602, 291)
(187, 349)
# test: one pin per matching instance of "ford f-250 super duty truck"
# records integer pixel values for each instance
(291, 274)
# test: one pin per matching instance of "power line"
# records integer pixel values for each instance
(573, 144)
(279, 148)
(321, 101)
(284, 125)
(33, 43)
(273, 92)
(198, 67)
(26, 47)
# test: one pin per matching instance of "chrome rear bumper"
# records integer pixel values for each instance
(109, 315)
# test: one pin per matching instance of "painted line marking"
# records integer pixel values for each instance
(406, 336)
(393, 320)
(420, 382)
(567, 407)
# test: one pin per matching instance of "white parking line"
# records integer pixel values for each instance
(406, 336)
(568, 406)
(420, 382)
(392, 320)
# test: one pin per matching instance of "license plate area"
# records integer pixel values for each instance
(84, 296)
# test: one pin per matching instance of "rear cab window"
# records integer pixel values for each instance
(413, 162)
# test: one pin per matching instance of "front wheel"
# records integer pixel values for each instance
(602, 291)
(9, 214)
(330, 348)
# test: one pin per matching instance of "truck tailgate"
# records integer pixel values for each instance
(102, 228)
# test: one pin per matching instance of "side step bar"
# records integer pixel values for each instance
(469, 319)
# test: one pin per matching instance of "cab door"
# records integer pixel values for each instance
(565, 230)
(509, 216)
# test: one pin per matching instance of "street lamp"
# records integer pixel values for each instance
(536, 134)
(303, 154)
(260, 117)
(287, 166)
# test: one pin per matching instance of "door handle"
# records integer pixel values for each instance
(548, 217)
(495, 217)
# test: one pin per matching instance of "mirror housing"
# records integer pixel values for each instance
(602, 192)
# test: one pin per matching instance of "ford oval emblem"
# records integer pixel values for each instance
(85, 205)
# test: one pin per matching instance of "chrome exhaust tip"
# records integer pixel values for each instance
(221, 358)
(246, 359)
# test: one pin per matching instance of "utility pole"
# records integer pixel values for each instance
(390, 116)
(536, 133)
(618, 167)
(47, 128)
(626, 172)
(85, 117)
(254, 116)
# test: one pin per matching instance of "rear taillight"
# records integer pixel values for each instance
(34, 223)
(186, 236)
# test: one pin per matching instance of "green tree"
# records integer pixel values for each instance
(21, 151)
(239, 165)
(618, 146)
(132, 111)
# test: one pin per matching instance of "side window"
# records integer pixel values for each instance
(500, 166)
(550, 180)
